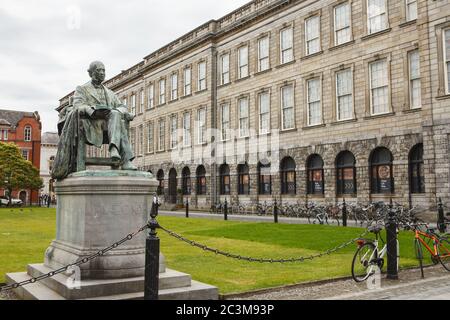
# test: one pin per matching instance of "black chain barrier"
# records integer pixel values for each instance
(261, 260)
(77, 263)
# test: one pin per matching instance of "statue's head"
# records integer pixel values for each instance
(97, 72)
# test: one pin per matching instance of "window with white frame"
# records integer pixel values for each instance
(150, 137)
(186, 129)
(287, 107)
(133, 104)
(161, 135)
(376, 15)
(4, 135)
(225, 121)
(187, 81)
(243, 62)
(415, 99)
(162, 91)
(286, 45)
(140, 140)
(26, 154)
(27, 133)
(201, 121)
(263, 54)
(174, 86)
(342, 23)
(312, 35)
(379, 87)
(173, 132)
(151, 96)
(201, 76)
(141, 104)
(411, 10)
(344, 94)
(446, 46)
(264, 112)
(244, 118)
(314, 110)
(225, 67)
(132, 140)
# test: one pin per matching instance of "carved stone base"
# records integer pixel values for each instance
(96, 209)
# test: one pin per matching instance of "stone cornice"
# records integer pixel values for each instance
(208, 32)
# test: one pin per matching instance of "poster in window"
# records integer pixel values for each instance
(384, 175)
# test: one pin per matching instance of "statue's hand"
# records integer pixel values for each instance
(129, 116)
(86, 111)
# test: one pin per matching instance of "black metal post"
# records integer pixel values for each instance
(275, 211)
(391, 240)
(151, 281)
(187, 208)
(225, 210)
(344, 214)
(441, 219)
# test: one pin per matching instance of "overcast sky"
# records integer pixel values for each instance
(47, 45)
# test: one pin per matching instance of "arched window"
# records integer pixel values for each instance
(224, 179)
(314, 167)
(186, 183)
(345, 173)
(264, 178)
(287, 171)
(27, 133)
(416, 174)
(381, 175)
(201, 180)
(160, 178)
(243, 179)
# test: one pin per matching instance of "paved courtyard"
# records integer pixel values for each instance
(410, 286)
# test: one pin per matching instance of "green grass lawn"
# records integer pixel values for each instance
(26, 233)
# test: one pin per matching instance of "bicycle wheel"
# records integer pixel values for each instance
(362, 268)
(444, 253)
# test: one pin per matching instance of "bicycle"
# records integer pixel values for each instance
(440, 243)
(216, 208)
(320, 215)
(369, 257)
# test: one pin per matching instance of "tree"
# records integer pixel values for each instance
(15, 171)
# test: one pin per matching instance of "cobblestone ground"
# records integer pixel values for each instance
(436, 285)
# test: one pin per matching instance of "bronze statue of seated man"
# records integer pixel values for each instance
(101, 110)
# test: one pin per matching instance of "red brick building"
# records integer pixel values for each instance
(23, 129)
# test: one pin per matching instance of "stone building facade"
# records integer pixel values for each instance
(49, 146)
(299, 100)
(23, 129)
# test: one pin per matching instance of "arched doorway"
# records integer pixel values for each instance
(173, 186)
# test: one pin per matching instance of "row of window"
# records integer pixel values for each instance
(380, 172)
(344, 107)
(377, 20)
(152, 100)
(26, 134)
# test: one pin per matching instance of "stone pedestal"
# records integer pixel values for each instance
(95, 210)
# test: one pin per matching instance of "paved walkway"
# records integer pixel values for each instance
(248, 217)
(410, 286)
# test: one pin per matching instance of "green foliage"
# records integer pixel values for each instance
(15, 171)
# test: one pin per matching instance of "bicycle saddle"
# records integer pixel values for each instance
(375, 229)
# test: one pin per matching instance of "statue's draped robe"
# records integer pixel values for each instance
(75, 124)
